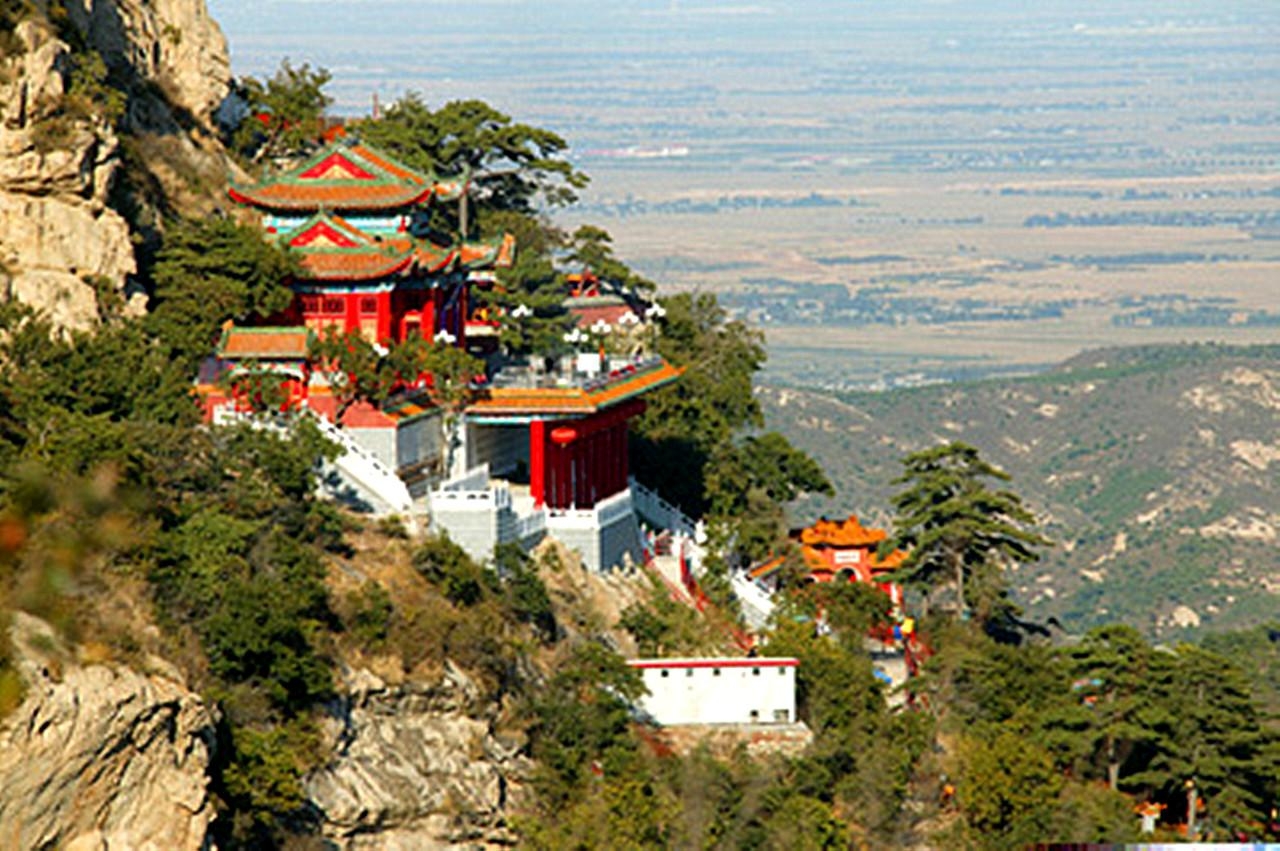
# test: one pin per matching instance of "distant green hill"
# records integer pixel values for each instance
(1156, 469)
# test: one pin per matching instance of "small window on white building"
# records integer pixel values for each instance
(755, 716)
(715, 672)
(781, 716)
(782, 672)
(665, 673)
(688, 672)
(755, 672)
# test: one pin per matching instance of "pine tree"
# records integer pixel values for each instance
(1215, 747)
(955, 527)
(1119, 712)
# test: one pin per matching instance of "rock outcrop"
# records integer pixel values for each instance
(100, 756)
(416, 769)
(66, 228)
(56, 231)
(172, 43)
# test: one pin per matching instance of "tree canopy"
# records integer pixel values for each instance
(508, 165)
(208, 271)
(955, 527)
(284, 114)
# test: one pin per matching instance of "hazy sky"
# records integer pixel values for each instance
(451, 47)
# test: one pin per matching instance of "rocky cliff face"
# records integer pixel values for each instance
(174, 44)
(416, 768)
(101, 756)
(56, 230)
(62, 232)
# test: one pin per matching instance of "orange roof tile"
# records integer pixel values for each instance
(342, 176)
(506, 252)
(383, 161)
(352, 265)
(849, 533)
(283, 196)
(269, 343)
(767, 568)
(433, 259)
(890, 562)
(497, 253)
(330, 248)
(609, 391)
(641, 381)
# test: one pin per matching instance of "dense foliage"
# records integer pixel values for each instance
(694, 443)
(510, 166)
(283, 115)
(959, 531)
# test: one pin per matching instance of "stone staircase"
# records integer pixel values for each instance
(383, 491)
(354, 476)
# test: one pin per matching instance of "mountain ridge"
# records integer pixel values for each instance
(1154, 468)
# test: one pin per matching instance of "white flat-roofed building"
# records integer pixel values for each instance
(719, 691)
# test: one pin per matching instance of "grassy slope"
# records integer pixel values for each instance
(1149, 465)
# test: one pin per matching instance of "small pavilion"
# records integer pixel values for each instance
(840, 551)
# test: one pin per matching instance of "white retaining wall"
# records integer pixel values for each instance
(605, 536)
(719, 691)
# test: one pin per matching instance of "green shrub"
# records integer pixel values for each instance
(447, 566)
(371, 614)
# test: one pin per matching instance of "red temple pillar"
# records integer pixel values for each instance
(385, 331)
(563, 477)
(624, 452)
(351, 320)
(538, 462)
(463, 312)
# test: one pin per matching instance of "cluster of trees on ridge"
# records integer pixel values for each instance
(108, 487)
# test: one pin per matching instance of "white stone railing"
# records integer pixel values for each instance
(356, 463)
(473, 491)
(602, 514)
(364, 467)
(614, 508)
(757, 603)
(484, 499)
(475, 479)
(529, 525)
(651, 505)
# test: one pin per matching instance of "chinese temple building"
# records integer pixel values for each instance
(355, 219)
(844, 551)
(840, 551)
(556, 444)
(538, 450)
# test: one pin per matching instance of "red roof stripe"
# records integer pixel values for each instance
(336, 162)
(325, 230)
(759, 662)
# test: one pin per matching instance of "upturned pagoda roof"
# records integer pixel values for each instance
(596, 395)
(344, 175)
(330, 248)
(847, 533)
(263, 343)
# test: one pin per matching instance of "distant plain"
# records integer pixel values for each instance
(897, 194)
